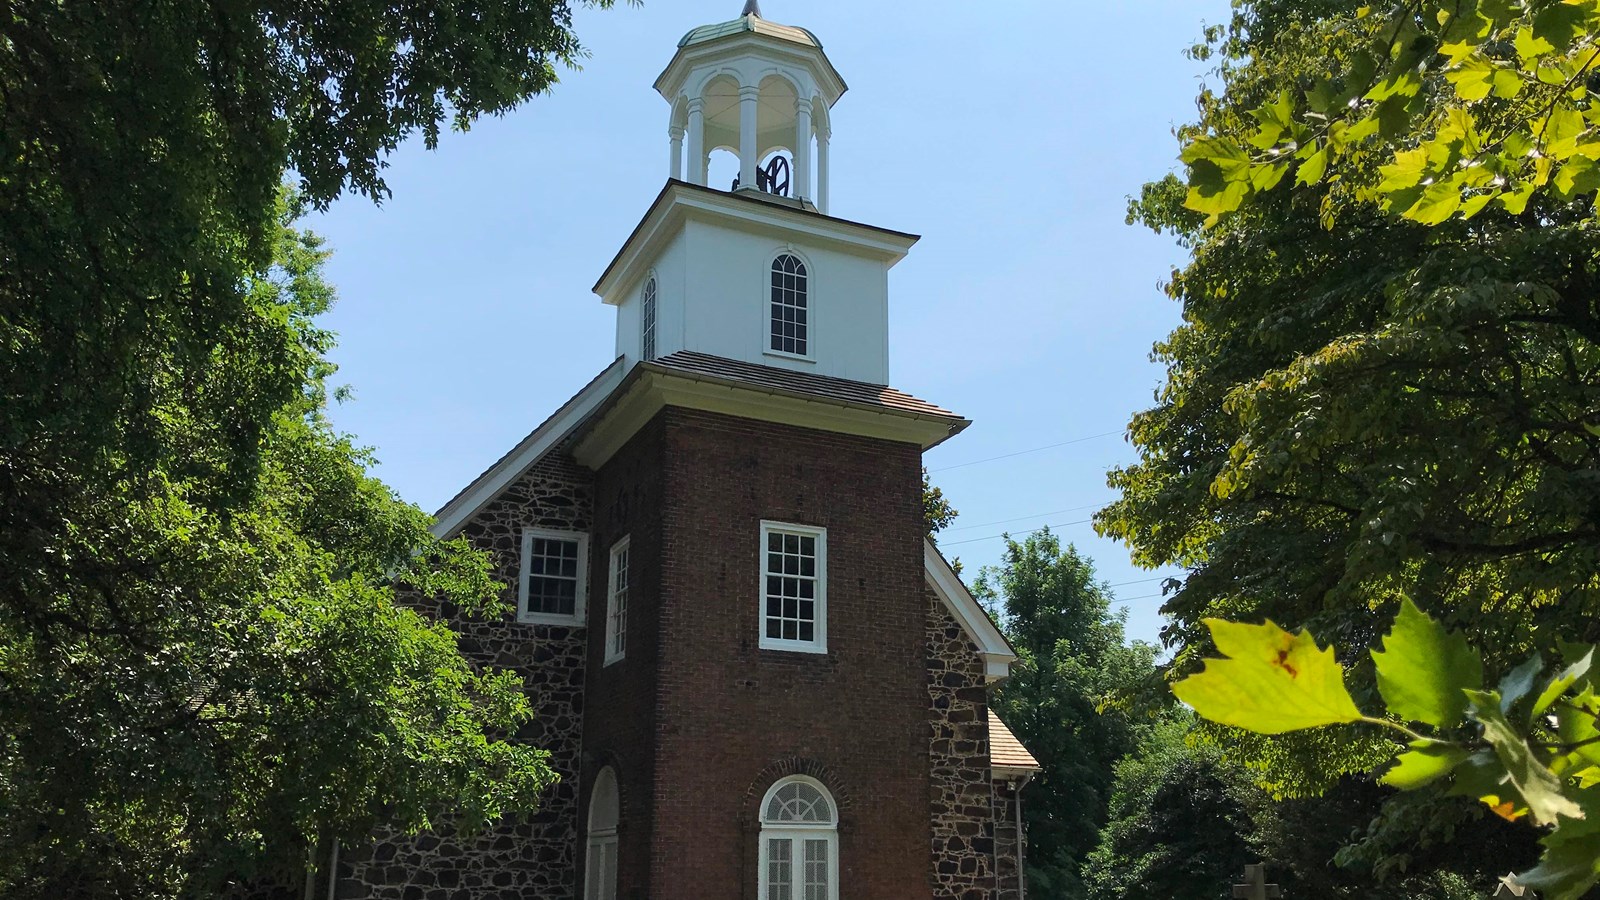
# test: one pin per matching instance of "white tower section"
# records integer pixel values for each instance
(752, 87)
(754, 274)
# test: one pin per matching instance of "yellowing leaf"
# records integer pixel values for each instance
(1269, 681)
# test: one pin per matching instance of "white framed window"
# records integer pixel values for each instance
(600, 858)
(554, 577)
(617, 604)
(799, 842)
(790, 319)
(647, 320)
(794, 588)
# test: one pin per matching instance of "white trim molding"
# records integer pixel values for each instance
(450, 518)
(997, 654)
(816, 582)
(580, 578)
(799, 839)
(616, 630)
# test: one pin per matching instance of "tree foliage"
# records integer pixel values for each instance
(1529, 747)
(1177, 825)
(1433, 109)
(189, 695)
(202, 666)
(1072, 662)
(1362, 407)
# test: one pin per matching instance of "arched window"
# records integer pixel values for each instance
(647, 324)
(799, 842)
(789, 312)
(601, 881)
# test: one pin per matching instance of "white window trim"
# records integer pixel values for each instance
(611, 653)
(820, 645)
(604, 839)
(649, 325)
(797, 833)
(810, 356)
(524, 575)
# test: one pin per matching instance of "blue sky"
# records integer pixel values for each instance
(1008, 135)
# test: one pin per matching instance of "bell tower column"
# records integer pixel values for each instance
(822, 170)
(697, 141)
(749, 105)
(676, 134)
(802, 148)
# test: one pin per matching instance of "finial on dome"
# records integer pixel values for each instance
(751, 8)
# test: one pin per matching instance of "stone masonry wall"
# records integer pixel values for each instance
(963, 802)
(526, 856)
(1008, 840)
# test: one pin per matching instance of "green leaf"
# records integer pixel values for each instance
(1539, 787)
(1560, 131)
(1473, 78)
(1406, 171)
(1569, 867)
(1313, 167)
(1404, 83)
(1561, 683)
(1578, 175)
(1425, 763)
(1559, 24)
(1438, 203)
(1269, 681)
(1424, 670)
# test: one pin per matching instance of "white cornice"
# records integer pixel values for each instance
(652, 389)
(997, 654)
(680, 201)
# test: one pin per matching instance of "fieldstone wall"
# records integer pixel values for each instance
(1009, 842)
(528, 856)
(963, 802)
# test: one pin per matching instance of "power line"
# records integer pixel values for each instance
(1024, 534)
(1140, 597)
(1053, 512)
(1140, 581)
(1025, 452)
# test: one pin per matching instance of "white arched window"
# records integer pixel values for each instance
(799, 842)
(647, 322)
(601, 881)
(790, 315)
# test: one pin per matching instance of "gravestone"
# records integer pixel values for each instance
(1508, 888)
(1255, 885)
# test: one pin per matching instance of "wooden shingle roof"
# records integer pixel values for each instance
(1005, 751)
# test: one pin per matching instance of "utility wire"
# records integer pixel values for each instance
(991, 537)
(1025, 452)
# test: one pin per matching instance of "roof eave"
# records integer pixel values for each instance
(681, 198)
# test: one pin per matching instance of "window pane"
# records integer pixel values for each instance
(780, 877)
(816, 870)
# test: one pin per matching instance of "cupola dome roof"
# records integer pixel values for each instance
(750, 22)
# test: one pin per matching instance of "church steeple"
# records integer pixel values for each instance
(756, 88)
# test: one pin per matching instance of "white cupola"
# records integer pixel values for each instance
(753, 87)
(757, 272)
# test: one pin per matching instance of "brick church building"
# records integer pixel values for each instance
(756, 676)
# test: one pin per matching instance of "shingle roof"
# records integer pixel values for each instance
(1005, 751)
(688, 362)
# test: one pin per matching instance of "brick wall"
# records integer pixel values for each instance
(733, 717)
(620, 719)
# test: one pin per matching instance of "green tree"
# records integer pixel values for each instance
(1360, 406)
(201, 663)
(1072, 663)
(190, 693)
(1177, 822)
